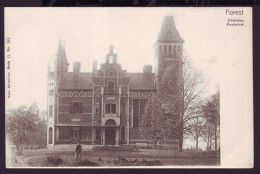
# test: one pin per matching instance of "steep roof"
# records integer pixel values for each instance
(139, 81)
(83, 82)
(169, 31)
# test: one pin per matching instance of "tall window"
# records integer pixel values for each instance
(98, 108)
(138, 110)
(51, 110)
(165, 50)
(50, 92)
(76, 107)
(160, 49)
(122, 133)
(174, 50)
(50, 135)
(123, 107)
(170, 50)
(110, 87)
(110, 108)
(98, 134)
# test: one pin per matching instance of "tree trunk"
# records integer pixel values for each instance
(208, 142)
(181, 138)
(216, 141)
(197, 142)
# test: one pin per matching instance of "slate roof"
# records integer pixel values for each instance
(139, 81)
(84, 81)
(169, 31)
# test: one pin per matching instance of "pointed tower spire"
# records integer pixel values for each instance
(169, 32)
(60, 49)
(168, 46)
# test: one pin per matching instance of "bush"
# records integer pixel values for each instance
(86, 163)
(124, 162)
(53, 161)
(115, 148)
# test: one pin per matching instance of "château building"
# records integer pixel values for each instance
(105, 106)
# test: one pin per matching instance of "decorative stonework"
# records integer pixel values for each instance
(140, 94)
(74, 94)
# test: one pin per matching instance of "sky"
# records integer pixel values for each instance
(88, 32)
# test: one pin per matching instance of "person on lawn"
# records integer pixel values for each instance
(78, 152)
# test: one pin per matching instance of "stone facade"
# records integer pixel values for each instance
(104, 107)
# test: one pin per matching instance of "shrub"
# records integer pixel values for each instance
(124, 162)
(86, 163)
(53, 161)
(115, 148)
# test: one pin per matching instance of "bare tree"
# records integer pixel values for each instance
(196, 125)
(180, 88)
(211, 114)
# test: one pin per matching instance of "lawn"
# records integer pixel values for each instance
(135, 157)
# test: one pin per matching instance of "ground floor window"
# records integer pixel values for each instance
(98, 134)
(65, 133)
(86, 134)
(138, 110)
(122, 133)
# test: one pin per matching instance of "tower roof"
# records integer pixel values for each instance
(60, 49)
(61, 53)
(169, 32)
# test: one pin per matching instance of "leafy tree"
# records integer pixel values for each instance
(24, 126)
(181, 86)
(156, 123)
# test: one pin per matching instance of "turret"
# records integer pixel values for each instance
(61, 64)
(168, 46)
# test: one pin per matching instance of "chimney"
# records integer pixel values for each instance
(147, 70)
(76, 67)
(94, 66)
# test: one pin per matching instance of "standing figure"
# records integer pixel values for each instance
(78, 152)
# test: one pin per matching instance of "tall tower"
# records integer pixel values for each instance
(55, 79)
(61, 64)
(168, 46)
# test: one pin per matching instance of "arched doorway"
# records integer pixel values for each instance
(110, 132)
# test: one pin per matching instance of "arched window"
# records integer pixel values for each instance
(179, 50)
(165, 49)
(110, 87)
(50, 135)
(170, 50)
(160, 49)
(174, 50)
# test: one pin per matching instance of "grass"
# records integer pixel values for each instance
(133, 157)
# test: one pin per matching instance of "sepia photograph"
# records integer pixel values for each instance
(128, 87)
